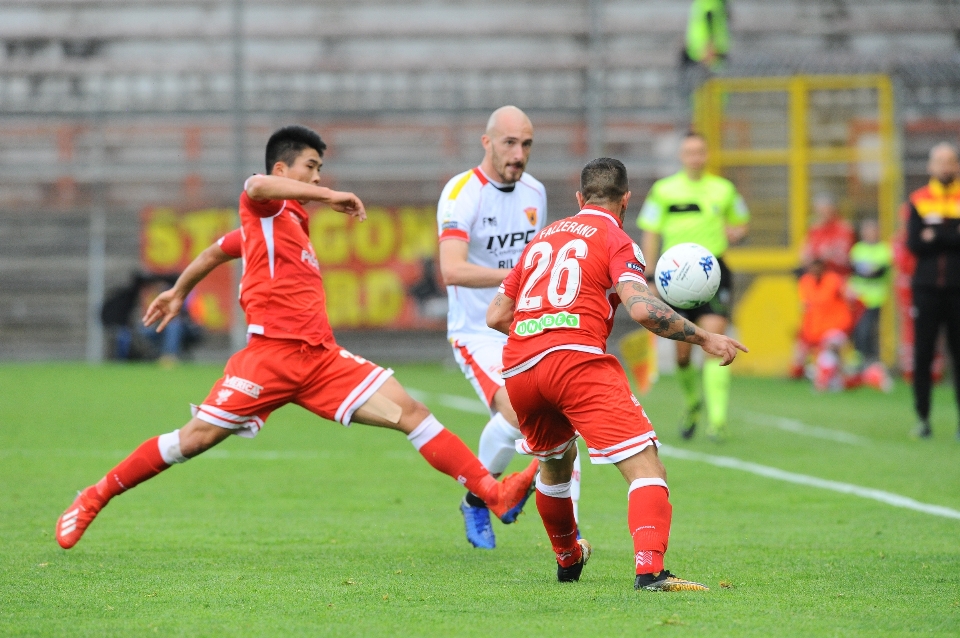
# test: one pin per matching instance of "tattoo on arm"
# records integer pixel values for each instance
(660, 318)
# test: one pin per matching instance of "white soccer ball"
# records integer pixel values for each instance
(687, 276)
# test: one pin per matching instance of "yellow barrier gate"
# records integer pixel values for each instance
(782, 140)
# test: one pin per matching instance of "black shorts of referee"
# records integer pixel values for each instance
(720, 304)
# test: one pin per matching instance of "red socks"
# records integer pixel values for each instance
(648, 514)
(556, 510)
(143, 463)
(447, 453)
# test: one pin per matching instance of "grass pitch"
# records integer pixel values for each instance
(315, 529)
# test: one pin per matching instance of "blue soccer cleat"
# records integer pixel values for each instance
(479, 529)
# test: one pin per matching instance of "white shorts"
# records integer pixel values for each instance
(481, 361)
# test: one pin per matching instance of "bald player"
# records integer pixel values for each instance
(485, 217)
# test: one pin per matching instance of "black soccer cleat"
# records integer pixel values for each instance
(665, 581)
(572, 573)
(688, 422)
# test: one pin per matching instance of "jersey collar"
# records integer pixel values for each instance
(590, 209)
(484, 180)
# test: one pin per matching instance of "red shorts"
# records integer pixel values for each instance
(571, 392)
(269, 373)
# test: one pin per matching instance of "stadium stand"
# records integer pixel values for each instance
(115, 105)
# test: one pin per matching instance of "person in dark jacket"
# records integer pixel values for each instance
(933, 236)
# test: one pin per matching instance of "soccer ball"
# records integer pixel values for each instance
(687, 276)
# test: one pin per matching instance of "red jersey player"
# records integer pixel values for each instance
(555, 310)
(291, 356)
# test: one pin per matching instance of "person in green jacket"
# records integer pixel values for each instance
(695, 206)
(872, 262)
(708, 35)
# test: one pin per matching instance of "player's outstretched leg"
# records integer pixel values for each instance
(649, 515)
(445, 451)
(152, 457)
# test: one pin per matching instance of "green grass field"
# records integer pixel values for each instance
(315, 529)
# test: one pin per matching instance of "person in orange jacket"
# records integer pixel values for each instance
(825, 326)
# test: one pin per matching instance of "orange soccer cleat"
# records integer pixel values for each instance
(74, 521)
(514, 492)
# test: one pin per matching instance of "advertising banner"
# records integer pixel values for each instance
(170, 239)
(379, 274)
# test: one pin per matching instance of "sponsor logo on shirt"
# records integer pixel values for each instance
(529, 327)
(248, 388)
(633, 266)
(489, 221)
(223, 395)
(450, 226)
(308, 257)
(500, 241)
(531, 215)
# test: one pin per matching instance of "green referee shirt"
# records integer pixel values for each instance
(683, 210)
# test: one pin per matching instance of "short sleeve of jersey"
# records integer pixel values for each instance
(737, 213)
(231, 243)
(626, 260)
(652, 213)
(260, 208)
(511, 284)
(457, 210)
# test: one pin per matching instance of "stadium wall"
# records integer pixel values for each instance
(111, 107)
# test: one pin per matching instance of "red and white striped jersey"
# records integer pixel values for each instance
(560, 286)
(281, 290)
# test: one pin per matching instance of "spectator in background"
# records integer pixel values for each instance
(824, 328)
(708, 35)
(933, 236)
(830, 238)
(129, 340)
(706, 46)
(871, 260)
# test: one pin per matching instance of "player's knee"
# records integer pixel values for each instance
(199, 436)
(415, 411)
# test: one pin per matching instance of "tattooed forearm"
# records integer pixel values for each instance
(656, 316)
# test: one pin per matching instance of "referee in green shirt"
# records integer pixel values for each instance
(695, 206)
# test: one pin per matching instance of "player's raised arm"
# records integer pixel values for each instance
(659, 318)
(168, 303)
(500, 313)
(276, 187)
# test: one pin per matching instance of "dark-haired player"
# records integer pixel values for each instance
(695, 206)
(291, 356)
(555, 310)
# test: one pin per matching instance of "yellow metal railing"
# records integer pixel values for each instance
(800, 156)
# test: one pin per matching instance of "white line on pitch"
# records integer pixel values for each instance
(802, 479)
(455, 401)
(801, 428)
